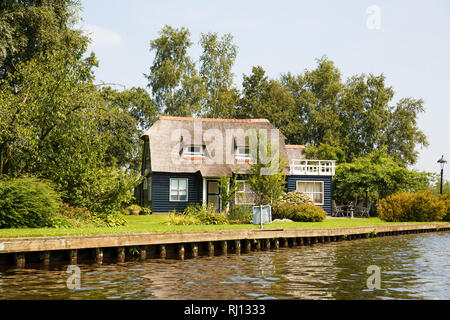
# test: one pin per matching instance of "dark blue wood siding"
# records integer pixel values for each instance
(327, 186)
(160, 191)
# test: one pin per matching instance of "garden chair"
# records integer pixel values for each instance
(363, 211)
(338, 211)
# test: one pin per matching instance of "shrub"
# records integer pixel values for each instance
(240, 214)
(298, 212)
(77, 217)
(146, 211)
(131, 208)
(28, 202)
(82, 218)
(182, 220)
(446, 199)
(110, 220)
(296, 197)
(421, 206)
(205, 214)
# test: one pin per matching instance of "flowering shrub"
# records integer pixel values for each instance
(296, 197)
(421, 206)
(303, 212)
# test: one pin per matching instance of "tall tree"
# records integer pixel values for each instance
(131, 112)
(217, 61)
(356, 116)
(266, 98)
(176, 86)
(31, 27)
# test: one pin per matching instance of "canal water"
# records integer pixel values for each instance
(415, 266)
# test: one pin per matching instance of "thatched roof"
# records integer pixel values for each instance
(220, 137)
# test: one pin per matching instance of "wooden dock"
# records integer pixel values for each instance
(18, 252)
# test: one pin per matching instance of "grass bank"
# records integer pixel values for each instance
(141, 224)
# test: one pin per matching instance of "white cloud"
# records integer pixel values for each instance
(102, 37)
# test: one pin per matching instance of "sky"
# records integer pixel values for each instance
(407, 41)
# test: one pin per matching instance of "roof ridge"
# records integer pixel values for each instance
(212, 119)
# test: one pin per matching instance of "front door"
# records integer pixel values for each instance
(213, 193)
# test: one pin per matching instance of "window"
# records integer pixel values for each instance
(178, 189)
(244, 194)
(312, 188)
(194, 151)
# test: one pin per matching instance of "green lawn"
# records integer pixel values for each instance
(139, 224)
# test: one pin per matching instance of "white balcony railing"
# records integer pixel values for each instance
(312, 167)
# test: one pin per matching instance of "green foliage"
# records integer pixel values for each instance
(146, 211)
(356, 115)
(228, 188)
(240, 214)
(421, 206)
(376, 176)
(28, 202)
(445, 198)
(30, 28)
(264, 98)
(131, 113)
(182, 220)
(111, 220)
(296, 197)
(199, 214)
(266, 177)
(217, 61)
(176, 86)
(51, 126)
(324, 152)
(77, 217)
(133, 207)
(298, 212)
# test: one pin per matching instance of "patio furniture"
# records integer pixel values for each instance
(363, 211)
(338, 211)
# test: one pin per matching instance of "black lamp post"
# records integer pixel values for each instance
(442, 162)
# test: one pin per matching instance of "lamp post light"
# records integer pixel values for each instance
(442, 162)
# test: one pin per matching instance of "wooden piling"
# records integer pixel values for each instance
(276, 244)
(300, 241)
(143, 253)
(19, 260)
(120, 254)
(45, 258)
(194, 248)
(224, 247)
(248, 246)
(73, 254)
(258, 245)
(210, 248)
(237, 247)
(181, 251)
(285, 242)
(162, 251)
(98, 255)
(267, 244)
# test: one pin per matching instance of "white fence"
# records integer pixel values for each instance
(313, 167)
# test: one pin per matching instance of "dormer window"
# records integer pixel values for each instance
(194, 151)
(243, 153)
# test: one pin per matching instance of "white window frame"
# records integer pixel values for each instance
(314, 192)
(243, 155)
(188, 153)
(245, 182)
(178, 190)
